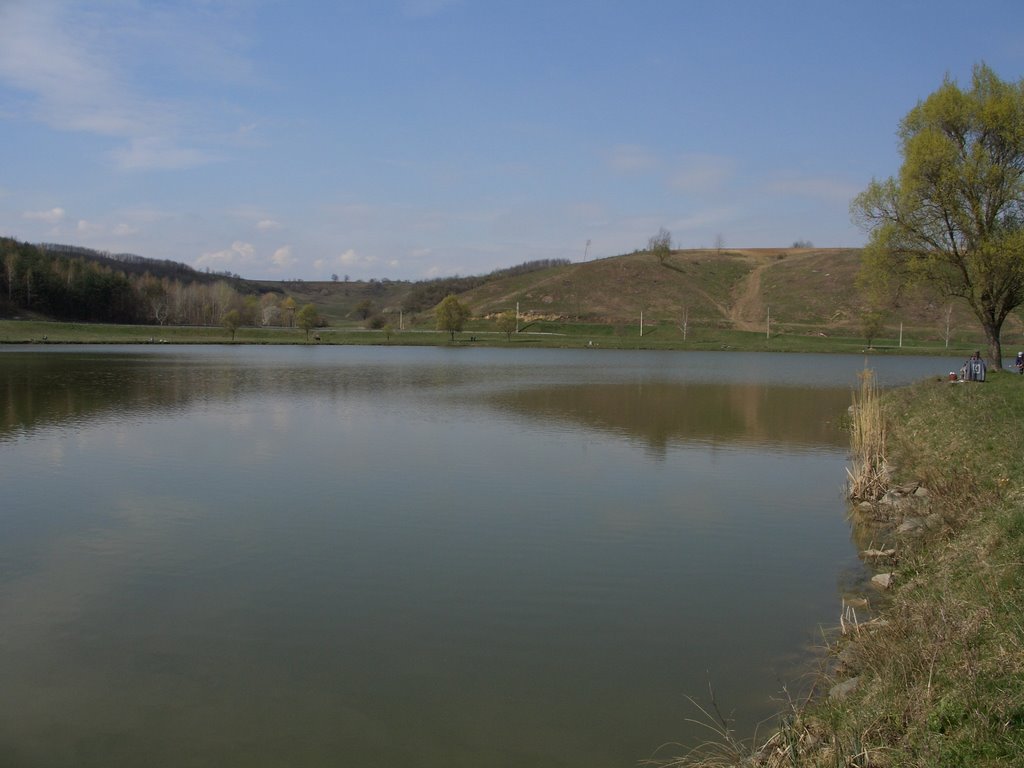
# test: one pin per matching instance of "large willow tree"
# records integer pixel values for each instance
(954, 218)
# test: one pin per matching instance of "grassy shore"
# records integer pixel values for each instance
(481, 333)
(929, 671)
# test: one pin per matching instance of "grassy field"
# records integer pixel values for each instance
(931, 672)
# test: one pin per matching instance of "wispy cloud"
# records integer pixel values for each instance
(702, 173)
(157, 153)
(124, 230)
(239, 254)
(282, 258)
(72, 85)
(65, 60)
(631, 158)
(819, 188)
(52, 216)
(348, 259)
(86, 227)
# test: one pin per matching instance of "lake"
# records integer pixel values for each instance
(374, 556)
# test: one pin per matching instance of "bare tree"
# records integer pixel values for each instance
(661, 245)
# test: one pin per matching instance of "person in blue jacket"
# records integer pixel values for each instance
(976, 368)
(1018, 364)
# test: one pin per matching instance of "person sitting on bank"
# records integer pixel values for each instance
(976, 368)
(1018, 364)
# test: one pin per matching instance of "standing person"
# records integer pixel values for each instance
(976, 368)
(1019, 363)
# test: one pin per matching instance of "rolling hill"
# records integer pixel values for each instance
(803, 290)
(810, 291)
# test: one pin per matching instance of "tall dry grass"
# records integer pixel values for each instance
(869, 477)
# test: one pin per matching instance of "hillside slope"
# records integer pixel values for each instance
(802, 290)
(812, 289)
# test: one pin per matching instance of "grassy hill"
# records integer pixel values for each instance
(342, 303)
(714, 294)
(809, 291)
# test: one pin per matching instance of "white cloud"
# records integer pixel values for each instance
(702, 173)
(239, 254)
(631, 158)
(157, 153)
(52, 216)
(267, 225)
(283, 258)
(88, 227)
(814, 188)
(346, 260)
(123, 230)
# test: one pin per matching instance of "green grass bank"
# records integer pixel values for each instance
(480, 332)
(929, 671)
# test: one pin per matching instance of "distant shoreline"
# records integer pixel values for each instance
(548, 335)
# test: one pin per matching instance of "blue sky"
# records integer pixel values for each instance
(406, 139)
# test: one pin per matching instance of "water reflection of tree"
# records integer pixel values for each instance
(41, 390)
(50, 388)
(662, 413)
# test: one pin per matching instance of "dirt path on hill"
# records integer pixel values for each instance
(746, 312)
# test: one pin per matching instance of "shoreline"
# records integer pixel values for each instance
(38, 332)
(935, 675)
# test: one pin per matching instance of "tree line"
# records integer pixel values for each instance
(67, 283)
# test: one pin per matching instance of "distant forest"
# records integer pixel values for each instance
(71, 283)
(67, 282)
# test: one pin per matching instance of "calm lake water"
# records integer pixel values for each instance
(324, 556)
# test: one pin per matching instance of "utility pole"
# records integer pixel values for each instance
(586, 250)
(768, 325)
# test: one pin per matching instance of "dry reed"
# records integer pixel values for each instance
(869, 478)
